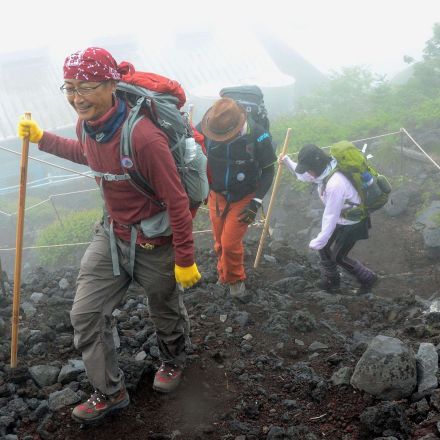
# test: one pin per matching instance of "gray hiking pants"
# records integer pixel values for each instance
(99, 292)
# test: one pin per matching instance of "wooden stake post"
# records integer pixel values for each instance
(19, 247)
(272, 200)
(2, 281)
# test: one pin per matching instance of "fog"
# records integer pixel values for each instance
(329, 34)
(204, 45)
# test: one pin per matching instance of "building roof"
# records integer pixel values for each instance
(202, 61)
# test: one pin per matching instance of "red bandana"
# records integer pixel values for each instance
(94, 64)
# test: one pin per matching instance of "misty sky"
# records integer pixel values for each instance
(328, 33)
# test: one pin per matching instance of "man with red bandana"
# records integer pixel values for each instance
(138, 240)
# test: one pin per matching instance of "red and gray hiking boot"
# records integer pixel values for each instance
(167, 378)
(100, 405)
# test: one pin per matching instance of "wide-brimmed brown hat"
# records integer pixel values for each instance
(224, 120)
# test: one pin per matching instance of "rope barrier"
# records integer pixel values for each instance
(421, 149)
(75, 244)
(257, 223)
(402, 130)
(48, 163)
(74, 192)
(49, 199)
(376, 137)
(368, 139)
(46, 246)
(356, 140)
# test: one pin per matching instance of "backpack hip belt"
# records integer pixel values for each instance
(155, 226)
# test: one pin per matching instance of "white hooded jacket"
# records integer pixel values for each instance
(334, 194)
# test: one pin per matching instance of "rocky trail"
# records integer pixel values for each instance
(277, 367)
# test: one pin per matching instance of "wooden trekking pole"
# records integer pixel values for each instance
(19, 247)
(271, 203)
(190, 112)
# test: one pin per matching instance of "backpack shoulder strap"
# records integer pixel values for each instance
(83, 133)
(128, 160)
(327, 178)
(360, 191)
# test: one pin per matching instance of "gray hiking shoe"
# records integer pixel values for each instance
(238, 291)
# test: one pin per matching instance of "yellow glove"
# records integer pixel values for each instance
(187, 276)
(29, 128)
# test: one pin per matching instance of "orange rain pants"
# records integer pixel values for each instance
(228, 236)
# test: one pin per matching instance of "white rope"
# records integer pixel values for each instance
(73, 192)
(48, 163)
(74, 244)
(402, 130)
(48, 200)
(46, 246)
(257, 223)
(369, 138)
(421, 149)
(376, 137)
(33, 206)
(202, 232)
(202, 208)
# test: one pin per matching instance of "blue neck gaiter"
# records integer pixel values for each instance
(105, 132)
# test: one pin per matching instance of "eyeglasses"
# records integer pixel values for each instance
(82, 91)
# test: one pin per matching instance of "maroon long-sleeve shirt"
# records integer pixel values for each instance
(125, 204)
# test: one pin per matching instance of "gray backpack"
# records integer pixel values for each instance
(163, 110)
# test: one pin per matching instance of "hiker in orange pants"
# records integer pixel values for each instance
(228, 237)
(241, 168)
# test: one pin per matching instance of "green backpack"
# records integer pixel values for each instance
(373, 188)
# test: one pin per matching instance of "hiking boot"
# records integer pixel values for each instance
(100, 405)
(366, 287)
(238, 291)
(167, 378)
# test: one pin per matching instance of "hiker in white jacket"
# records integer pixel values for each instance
(338, 235)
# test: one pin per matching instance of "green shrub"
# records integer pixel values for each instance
(436, 219)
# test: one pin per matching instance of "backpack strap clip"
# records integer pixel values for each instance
(111, 177)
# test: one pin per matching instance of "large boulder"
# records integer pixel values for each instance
(427, 367)
(386, 370)
(429, 221)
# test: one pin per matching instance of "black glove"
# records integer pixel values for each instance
(248, 214)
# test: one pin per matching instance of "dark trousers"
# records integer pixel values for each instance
(335, 253)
